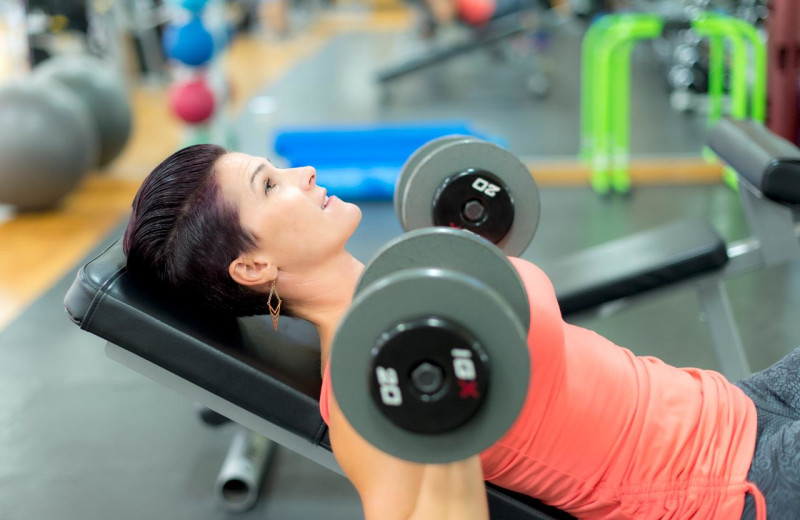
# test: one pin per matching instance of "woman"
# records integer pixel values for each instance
(603, 433)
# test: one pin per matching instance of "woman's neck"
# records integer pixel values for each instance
(323, 295)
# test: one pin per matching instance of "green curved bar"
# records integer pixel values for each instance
(620, 117)
(716, 77)
(722, 26)
(758, 100)
(628, 29)
(716, 86)
(712, 26)
(588, 49)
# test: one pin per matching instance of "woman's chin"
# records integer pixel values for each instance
(353, 209)
(356, 220)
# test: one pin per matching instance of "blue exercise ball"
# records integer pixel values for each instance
(194, 6)
(104, 93)
(190, 44)
(48, 144)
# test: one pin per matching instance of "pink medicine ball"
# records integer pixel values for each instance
(192, 101)
(476, 12)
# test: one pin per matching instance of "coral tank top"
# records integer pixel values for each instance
(606, 434)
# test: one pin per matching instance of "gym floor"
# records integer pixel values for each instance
(85, 438)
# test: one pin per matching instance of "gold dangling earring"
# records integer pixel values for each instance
(274, 312)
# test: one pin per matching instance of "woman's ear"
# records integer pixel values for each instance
(251, 271)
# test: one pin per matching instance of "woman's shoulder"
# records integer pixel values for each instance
(532, 275)
(525, 266)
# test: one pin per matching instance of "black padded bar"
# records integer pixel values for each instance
(634, 264)
(768, 162)
(274, 376)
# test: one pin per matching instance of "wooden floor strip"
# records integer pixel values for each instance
(37, 249)
(649, 171)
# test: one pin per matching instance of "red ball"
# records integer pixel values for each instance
(476, 12)
(192, 101)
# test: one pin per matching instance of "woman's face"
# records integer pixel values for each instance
(294, 222)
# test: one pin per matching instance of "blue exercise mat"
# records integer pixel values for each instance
(362, 162)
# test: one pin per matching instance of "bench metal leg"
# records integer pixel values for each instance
(724, 333)
(239, 481)
(773, 224)
(310, 449)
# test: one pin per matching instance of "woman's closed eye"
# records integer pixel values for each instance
(268, 186)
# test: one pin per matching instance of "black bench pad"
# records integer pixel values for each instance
(274, 376)
(768, 162)
(635, 264)
(243, 361)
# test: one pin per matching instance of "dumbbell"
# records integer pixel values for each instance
(466, 183)
(430, 363)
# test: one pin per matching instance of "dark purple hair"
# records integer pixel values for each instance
(184, 234)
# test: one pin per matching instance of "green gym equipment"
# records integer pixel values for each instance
(605, 85)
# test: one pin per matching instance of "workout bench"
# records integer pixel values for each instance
(270, 382)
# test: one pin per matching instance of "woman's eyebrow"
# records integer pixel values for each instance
(253, 175)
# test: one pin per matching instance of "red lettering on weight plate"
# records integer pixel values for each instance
(468, 389)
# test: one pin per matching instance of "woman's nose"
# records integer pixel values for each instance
(307, 177)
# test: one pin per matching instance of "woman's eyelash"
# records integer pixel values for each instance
(268, 186)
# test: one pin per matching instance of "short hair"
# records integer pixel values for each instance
(184, 234)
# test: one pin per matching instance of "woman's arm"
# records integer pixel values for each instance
(452, 491)
(395, 489)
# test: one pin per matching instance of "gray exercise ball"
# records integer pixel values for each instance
(103, 91)
(47, 144)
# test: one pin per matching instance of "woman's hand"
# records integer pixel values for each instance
(452, 491)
